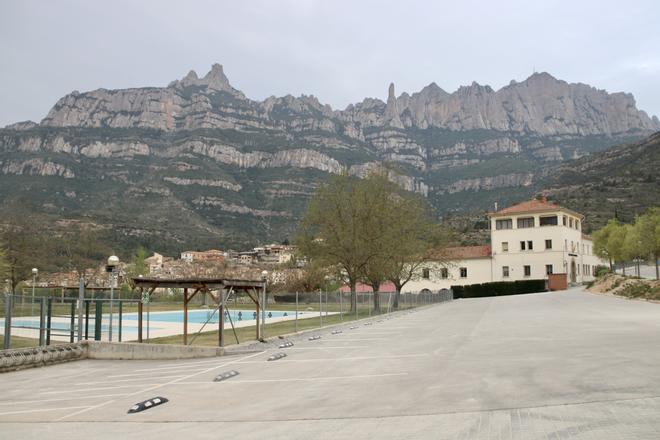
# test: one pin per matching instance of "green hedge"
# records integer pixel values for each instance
(499, 288)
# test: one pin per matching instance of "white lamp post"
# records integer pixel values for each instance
(264, 277)
(35, 272)
(113, 262)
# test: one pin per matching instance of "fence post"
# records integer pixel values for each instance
(81, 300)
(72, 325)
(341, 306)
(49, 320)
(42, 321)
(7, 340)
(87, 302)
(320, 308)
(120, 316)
(98, 318)
(296, 311)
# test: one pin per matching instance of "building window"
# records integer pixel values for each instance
(570, 222)
(463, 272)
(564, 220)
(527, 222)
(583, 248)
(577, 224)
(505, 271)
(444, 273)
(505, 246)
(527, 270)
(425, 274)
(522, 245)
(548, 244)
(504, 224)
(548, 221)
(548, 269)
(530, 246)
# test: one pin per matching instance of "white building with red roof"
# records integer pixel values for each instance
(530, 240)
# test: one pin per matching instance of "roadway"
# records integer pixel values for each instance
(543, 366)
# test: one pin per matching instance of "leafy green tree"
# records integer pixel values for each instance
(632, 245)
(649, 233)
(22, 252)
(602, 245)
(85, 254)
(415, 240)
(335, 230)
(139, 262)
(615, 244)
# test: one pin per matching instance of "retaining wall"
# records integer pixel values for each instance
(20, 358)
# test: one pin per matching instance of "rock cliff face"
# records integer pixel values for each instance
(244, 169)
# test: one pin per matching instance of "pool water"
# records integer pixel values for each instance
(202, 316)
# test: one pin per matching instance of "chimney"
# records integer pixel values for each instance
(495, 206)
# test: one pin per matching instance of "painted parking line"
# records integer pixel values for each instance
(349, 339)
(93, 389)
(360, 358)
(160, 385)
(306, 379)
(182, 365)
(339, 347)
(97, 396)
(27, 411)
(152, 372)
(128, 380)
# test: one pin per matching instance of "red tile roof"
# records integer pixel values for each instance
(385, 287)
(467, 252)
(534, 205)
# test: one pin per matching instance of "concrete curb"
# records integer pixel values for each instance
(137, 351)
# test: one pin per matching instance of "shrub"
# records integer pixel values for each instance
(499, 288)
(602, 270)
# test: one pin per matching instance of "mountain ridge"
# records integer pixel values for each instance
(198, 161)
(430, 107)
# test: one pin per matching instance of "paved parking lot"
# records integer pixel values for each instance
(544, 366)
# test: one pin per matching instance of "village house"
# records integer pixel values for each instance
(530, 240)
(213, 255)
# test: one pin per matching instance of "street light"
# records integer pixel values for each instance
(35, 272)
(113, 262)
(264, 278)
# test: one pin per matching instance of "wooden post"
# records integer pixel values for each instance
(221, 320)
(185, 316)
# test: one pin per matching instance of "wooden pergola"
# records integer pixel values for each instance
(252, 288)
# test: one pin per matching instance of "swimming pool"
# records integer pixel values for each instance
(202, 316)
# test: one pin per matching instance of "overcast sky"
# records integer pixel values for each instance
(340, 51)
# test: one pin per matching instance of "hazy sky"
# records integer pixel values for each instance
(340, 51)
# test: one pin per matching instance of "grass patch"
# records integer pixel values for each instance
(246, 334)
(21, 342)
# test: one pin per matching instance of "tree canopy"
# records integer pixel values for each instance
(370, 229)
(619, 242)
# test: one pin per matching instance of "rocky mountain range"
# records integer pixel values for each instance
(198, 161)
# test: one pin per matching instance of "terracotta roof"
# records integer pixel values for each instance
(534, 205)
(385, 287)
(467, 252)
